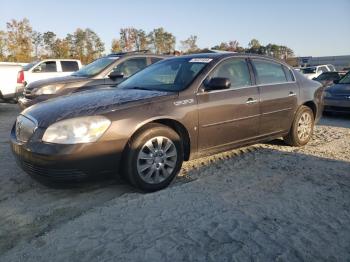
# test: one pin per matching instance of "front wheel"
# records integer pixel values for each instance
(153, 158)
(302, 127)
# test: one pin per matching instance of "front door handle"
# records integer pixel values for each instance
(251, 101)
(291, 93)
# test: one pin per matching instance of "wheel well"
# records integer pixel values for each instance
(313, 107)
(181, 130)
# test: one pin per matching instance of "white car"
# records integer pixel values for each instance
(44, 69)
(312, 72)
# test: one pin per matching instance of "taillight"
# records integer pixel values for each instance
(20, 77)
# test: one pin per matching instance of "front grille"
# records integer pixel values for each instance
(25, 128)
(52, 173)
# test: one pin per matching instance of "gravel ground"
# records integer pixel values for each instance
(267, 202)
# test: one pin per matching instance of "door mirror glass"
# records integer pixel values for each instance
(115, 75)
(218, 83)
(336, 81)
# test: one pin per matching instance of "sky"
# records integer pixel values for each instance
(309, 27)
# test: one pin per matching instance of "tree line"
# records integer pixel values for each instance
(20, 43)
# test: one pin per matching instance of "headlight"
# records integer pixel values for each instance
(77, 130)
(48, 90)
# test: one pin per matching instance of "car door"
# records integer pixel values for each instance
(126, 68)
(44, 70)
(278, 95)
(232, 115)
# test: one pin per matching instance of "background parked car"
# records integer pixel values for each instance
(327, 78)
(8, 76)
(105, 71)
(45, 69)
(314, 71)
(337, 97)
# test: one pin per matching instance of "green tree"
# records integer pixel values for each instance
(37, 41)
(19, 44)
(254, 46)
(116, 47)
(161, 41)
(3, 45)
(49, 40)
(189, 45)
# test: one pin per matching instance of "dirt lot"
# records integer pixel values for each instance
(268, 202)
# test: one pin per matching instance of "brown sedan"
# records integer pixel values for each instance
(175, 110)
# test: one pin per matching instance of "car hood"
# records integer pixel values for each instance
(92, 102)
(55, 80)
(340, 89)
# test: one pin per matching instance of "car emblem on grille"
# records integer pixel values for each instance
(18, 128)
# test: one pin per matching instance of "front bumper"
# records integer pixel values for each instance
(62, 163)
(340, 105)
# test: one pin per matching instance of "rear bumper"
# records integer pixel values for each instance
(62, 163)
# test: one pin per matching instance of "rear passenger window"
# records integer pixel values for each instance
(69, 66)
(234, 69)
(269, 72)
(131, 66)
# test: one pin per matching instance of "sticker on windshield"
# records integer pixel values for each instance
(200, 60)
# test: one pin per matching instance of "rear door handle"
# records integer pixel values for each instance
(291, 93)
(251, 101)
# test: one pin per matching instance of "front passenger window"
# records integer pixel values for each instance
(236, 70)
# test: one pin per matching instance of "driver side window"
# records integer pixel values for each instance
(46, 67)
(130, 67)
(236, 70)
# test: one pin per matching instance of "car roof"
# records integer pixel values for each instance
(219, 55)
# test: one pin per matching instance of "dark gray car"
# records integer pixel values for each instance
(337, 97)
(106, 71)
(172, 111)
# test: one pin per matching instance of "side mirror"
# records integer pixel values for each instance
(114, 75)
(314, 78)
(336, 81)
(218, 83)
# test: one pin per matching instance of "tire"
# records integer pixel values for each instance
(302, 127)
(153, 157)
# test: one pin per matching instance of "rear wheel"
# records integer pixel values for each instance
(153, 158)
(302, 127)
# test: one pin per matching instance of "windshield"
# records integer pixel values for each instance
(168, 75)
(95, 67)
(308, 70)
(29, 66)
(345, 79)
(328, 76)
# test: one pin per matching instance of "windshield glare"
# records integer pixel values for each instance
(95, 67)
(345, 79)
(168, 75)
